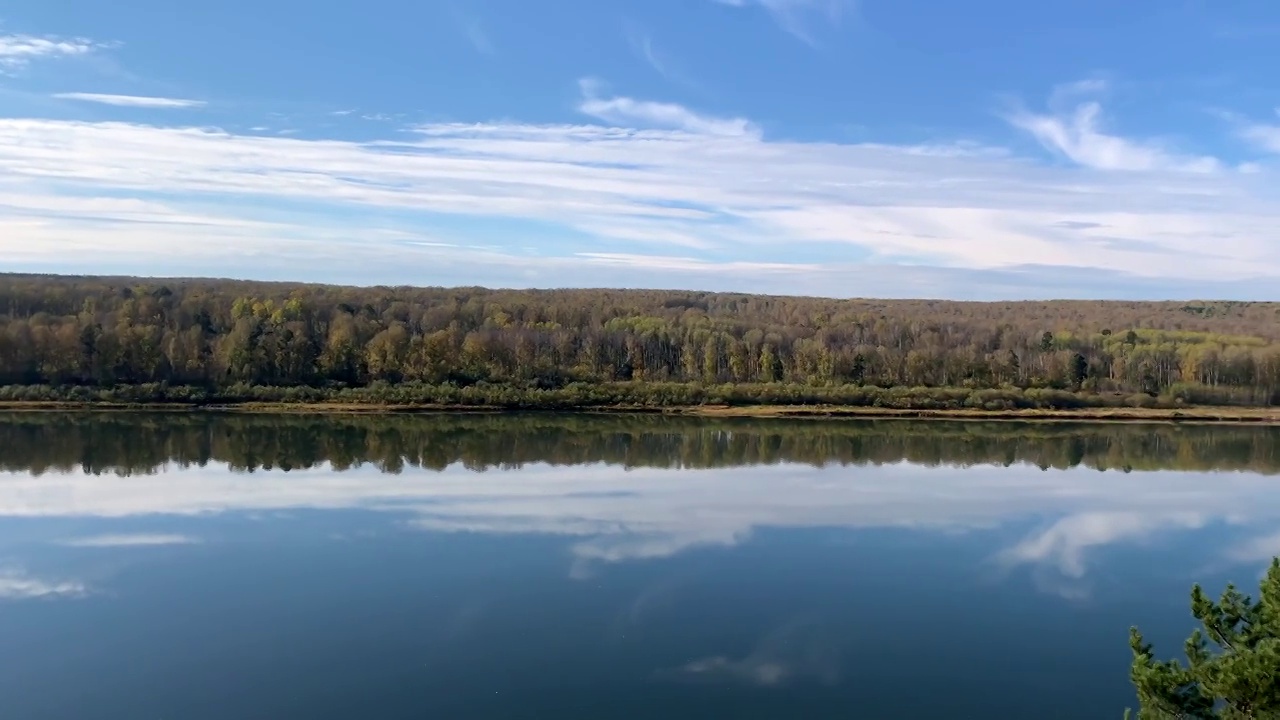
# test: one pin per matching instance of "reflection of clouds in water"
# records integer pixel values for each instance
(17, 584)
(632, 615)
(620, 514)
(1259, 549)
(801, 649)
(467, 616)
(1067, 588)
(130, 540)
(1063, 544)
(602, 550)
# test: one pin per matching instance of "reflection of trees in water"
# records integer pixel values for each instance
(141, 443)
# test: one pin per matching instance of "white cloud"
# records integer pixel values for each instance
(1064, 544)
(1079, 137)
(1262, 135)
(741, 210)
(130, 540)
(18, 51)
(660, 263)
(137, 101)
(642, 46)
(798, 17)
(16, 584)
(643, 113)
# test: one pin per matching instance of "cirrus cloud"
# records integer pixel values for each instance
(798, 17)
(136, 101)
(654, 193)
(17, 51)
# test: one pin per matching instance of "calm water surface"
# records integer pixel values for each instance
(571, 567)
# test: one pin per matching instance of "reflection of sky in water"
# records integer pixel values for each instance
(750, 590)
(610, 514)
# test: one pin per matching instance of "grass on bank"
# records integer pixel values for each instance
(730, 400)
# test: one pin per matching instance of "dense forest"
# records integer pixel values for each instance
(82, 338)
(142, 443)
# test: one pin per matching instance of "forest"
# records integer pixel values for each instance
(87, 339)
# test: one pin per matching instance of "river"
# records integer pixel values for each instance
(201, 566)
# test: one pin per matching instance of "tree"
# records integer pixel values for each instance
(105, 333)
(1079, 370)
(1239, 678)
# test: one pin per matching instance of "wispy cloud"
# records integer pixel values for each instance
(1252, 31)
(627, 111)
(138, 101)
(1078, 134)
(798, 17)
(1265, 136)
(1258, 549)
(17, 584)
(472, 29)
(478, 38)
(733, 208)
(1064, 544)
(18, 51)
(133, 540)
(643, 47)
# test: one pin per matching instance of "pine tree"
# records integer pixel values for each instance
(1238, 678)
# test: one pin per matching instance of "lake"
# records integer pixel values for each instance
(197, 566)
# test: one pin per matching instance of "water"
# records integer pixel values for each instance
(174, 566)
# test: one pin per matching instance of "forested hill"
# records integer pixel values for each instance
(223, 338)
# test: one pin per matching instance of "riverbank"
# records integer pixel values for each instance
(1241, 415)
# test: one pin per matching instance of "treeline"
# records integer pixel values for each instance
(204, 340)
(112, 443)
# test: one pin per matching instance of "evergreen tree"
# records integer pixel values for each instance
(1233, 665)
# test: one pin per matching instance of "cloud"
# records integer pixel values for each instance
(1262, 136)
(1259, 549)
(1079, 137)
(1063, 545)
(800, 649)
(18, 51)
(1266, 137)
(605, 549)
(657, 195)
(477, 36)
(643, 113)
(134, 540)
(16, 584)
(137, 101)
(472, 29)
(643, 47)
(797, 17)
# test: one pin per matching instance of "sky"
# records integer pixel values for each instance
(990, 149)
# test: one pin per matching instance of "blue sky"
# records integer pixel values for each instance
(988, 149)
